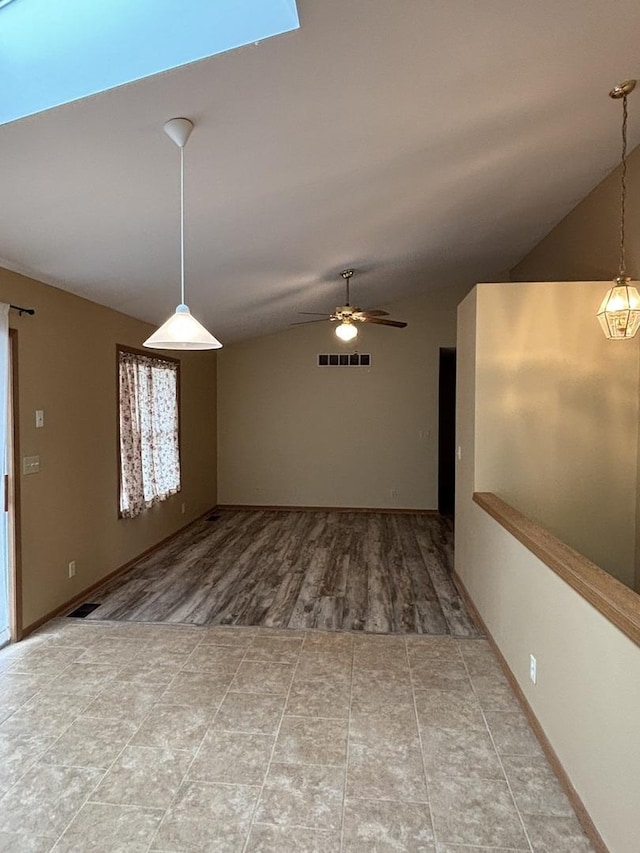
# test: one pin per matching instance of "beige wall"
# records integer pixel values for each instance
(588, 688)
(67, 366)
(584, 246)
(637, 561)
(291, 433)
(557, 416)
(588, 691)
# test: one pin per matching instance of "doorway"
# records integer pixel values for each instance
(10, 619)
(447, 431)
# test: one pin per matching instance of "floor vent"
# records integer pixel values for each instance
(342, 359)
(83, 610)
(215, 516)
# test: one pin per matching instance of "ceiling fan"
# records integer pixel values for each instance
(347, 316)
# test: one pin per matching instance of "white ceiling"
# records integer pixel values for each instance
(416, 140)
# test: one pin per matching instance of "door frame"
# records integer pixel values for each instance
(14, 549)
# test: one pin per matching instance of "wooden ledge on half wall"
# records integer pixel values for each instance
(619, 604)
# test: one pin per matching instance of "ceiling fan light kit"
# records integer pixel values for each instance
(347, 316)
(346, 331)
(619, 312)
(181, 331)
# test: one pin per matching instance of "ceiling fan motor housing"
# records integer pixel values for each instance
(344, 312)
(350, 315)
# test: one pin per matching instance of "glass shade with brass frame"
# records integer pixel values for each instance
(619, 312)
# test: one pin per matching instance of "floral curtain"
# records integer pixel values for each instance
(149, 438)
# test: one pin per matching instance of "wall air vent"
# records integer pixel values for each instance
(344, 360)
(83, 611)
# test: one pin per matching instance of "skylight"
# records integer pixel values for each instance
(52, 53)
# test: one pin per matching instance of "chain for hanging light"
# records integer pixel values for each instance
(619, 312)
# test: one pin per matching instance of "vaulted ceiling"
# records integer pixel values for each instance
(419, 141)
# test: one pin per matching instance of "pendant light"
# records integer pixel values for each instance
(619, 312)
(181, 331)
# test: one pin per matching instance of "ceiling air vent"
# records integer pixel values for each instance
(344, 360)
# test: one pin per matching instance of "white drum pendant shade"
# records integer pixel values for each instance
(182, 331)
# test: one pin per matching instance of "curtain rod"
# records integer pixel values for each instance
(23, 310)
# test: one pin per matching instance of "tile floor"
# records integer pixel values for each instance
(128, 738)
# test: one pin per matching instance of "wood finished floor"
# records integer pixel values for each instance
(372, 572)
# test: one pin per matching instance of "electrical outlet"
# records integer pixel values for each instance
(533, 669)
(394, 493)
(72, 569)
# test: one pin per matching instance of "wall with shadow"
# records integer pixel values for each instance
(557, 416)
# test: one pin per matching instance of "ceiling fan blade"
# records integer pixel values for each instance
(375, 312)
(306, 322)
(398, 324)
(315, 313)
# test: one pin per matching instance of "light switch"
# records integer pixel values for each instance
(39, 418)
(30, 464)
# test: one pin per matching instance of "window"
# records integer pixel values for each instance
(149, 445)
(56, 51)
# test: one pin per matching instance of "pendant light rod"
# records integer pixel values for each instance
(346, 275)
(182, 299)
(623, 187)
(179, 130)
(622, 92)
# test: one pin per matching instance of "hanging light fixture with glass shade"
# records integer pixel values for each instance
(181, 331)
(619, 312)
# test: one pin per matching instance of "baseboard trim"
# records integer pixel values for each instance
(82, 596)
(579, 807)
(388, 510)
